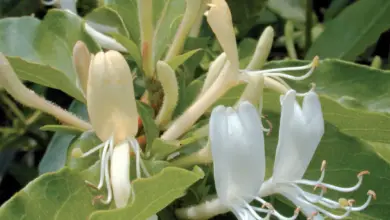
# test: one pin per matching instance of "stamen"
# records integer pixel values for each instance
(277, 71)
(48, 2)
(319, 181)
(325, 212)
(272, 211)
(252, 211)
(269, 129)
(311, 217)
(93, 150)
(107, 174)
(335, 205)
(102, 168)
(336, 188)
(134, 144)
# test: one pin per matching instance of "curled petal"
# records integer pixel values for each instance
(237, 146)
(299, 135)
(110, 97)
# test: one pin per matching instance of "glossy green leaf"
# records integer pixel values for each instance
(131, 47)
(365, 19)
(187, 95)
(180, 59)
(146, 114)
(41, 52)
(57, 150)
(167, 25)
(153, 194)
(61, 196)
(110, 18)
(128, 11)
(161, 148)
(65, 129)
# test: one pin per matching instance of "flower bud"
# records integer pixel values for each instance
(81, 61)
(110, 97)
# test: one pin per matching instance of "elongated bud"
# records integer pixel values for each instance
(110, 97)
(214, 71)
(167, 77)
(220, 21)
(120, 174)
(22, 94)
(192, 10)
(81, 61)
(145, 17)
(288, 33)
(263, 49)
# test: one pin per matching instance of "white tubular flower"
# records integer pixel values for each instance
(237, 146)
(300, 132)
(113, 114)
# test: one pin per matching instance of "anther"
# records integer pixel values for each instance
(315, 61)
(311, 217)
(372, 194)
(297, 210)
(351, 202)
(91, 185)
(365, 172)
(323, 165)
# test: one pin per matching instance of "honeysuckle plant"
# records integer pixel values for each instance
(165, 126)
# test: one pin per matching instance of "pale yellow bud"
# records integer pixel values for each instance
(220, 21)
(81, 60)
(110, 97)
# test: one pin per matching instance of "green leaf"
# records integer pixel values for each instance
(128, 11)
(57, 150)
(62, 129)
(187, 95)
(365, 20)
(161, 148)
(41, 52)
(146, 114)
(167, 25)
(288, 9)
(131, 47)
(153, 194)
(109, 17)
(335, 80)
(346, 157)
(61, 196)
(179, 60)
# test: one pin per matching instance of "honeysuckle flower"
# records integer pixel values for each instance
(218, 83)
(237, 146)
(300, 132)
(113, 114)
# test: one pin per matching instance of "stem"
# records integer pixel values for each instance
(223, 83)
(192, 10)
(14, 108)
(203, 211)
(145, 16)
(309, 24)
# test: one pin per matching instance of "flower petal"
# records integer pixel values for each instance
(299, 135)
(110, 97)
(120, 177)
(237, 146)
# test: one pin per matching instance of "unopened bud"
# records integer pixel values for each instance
(263, 49)
(81, 61)
(110, 97)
